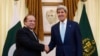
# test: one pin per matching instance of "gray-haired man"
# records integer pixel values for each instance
(65, 35)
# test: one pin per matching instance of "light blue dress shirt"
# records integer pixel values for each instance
(63, 29)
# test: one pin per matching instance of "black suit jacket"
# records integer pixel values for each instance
(27, 44)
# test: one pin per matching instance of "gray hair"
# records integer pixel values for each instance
(62, 7)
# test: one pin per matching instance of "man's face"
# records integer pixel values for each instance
(61, 14)
(30, 22)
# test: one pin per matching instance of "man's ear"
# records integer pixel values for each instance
(24, 23)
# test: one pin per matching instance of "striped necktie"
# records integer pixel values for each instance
(34, 35)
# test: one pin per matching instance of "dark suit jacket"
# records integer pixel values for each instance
(72, 45)
(27, 44)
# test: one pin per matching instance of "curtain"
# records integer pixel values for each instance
(72, 7)
(35, 8)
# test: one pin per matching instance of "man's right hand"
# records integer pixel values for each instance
(46, 48)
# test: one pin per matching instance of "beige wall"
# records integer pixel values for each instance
(93, 12)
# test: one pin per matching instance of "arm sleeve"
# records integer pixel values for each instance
(78, 40)
(52, 42)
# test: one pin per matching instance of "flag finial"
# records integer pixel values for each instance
(15, 0)
(83, 0)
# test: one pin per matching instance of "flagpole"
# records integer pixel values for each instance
(16, 2)
(83, 1)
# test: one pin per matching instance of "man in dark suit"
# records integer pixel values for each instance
(27, 43)
(65, 35)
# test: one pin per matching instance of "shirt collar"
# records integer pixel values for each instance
(65, 21)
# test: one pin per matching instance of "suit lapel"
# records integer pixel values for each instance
(58, 31)
(30, 34)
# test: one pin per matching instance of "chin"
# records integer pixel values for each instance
(32, 27)
(61, 20)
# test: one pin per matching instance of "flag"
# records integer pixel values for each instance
(10, 46)
(88, 42)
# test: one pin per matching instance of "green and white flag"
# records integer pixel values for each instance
(10, 46)
(89, 45)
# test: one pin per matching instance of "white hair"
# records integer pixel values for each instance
(62, 7)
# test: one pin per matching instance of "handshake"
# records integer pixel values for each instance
(46, 48)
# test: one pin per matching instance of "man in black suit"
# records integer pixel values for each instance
(27, 43)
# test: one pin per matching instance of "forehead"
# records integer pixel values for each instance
(61, 9)
(30, 17)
